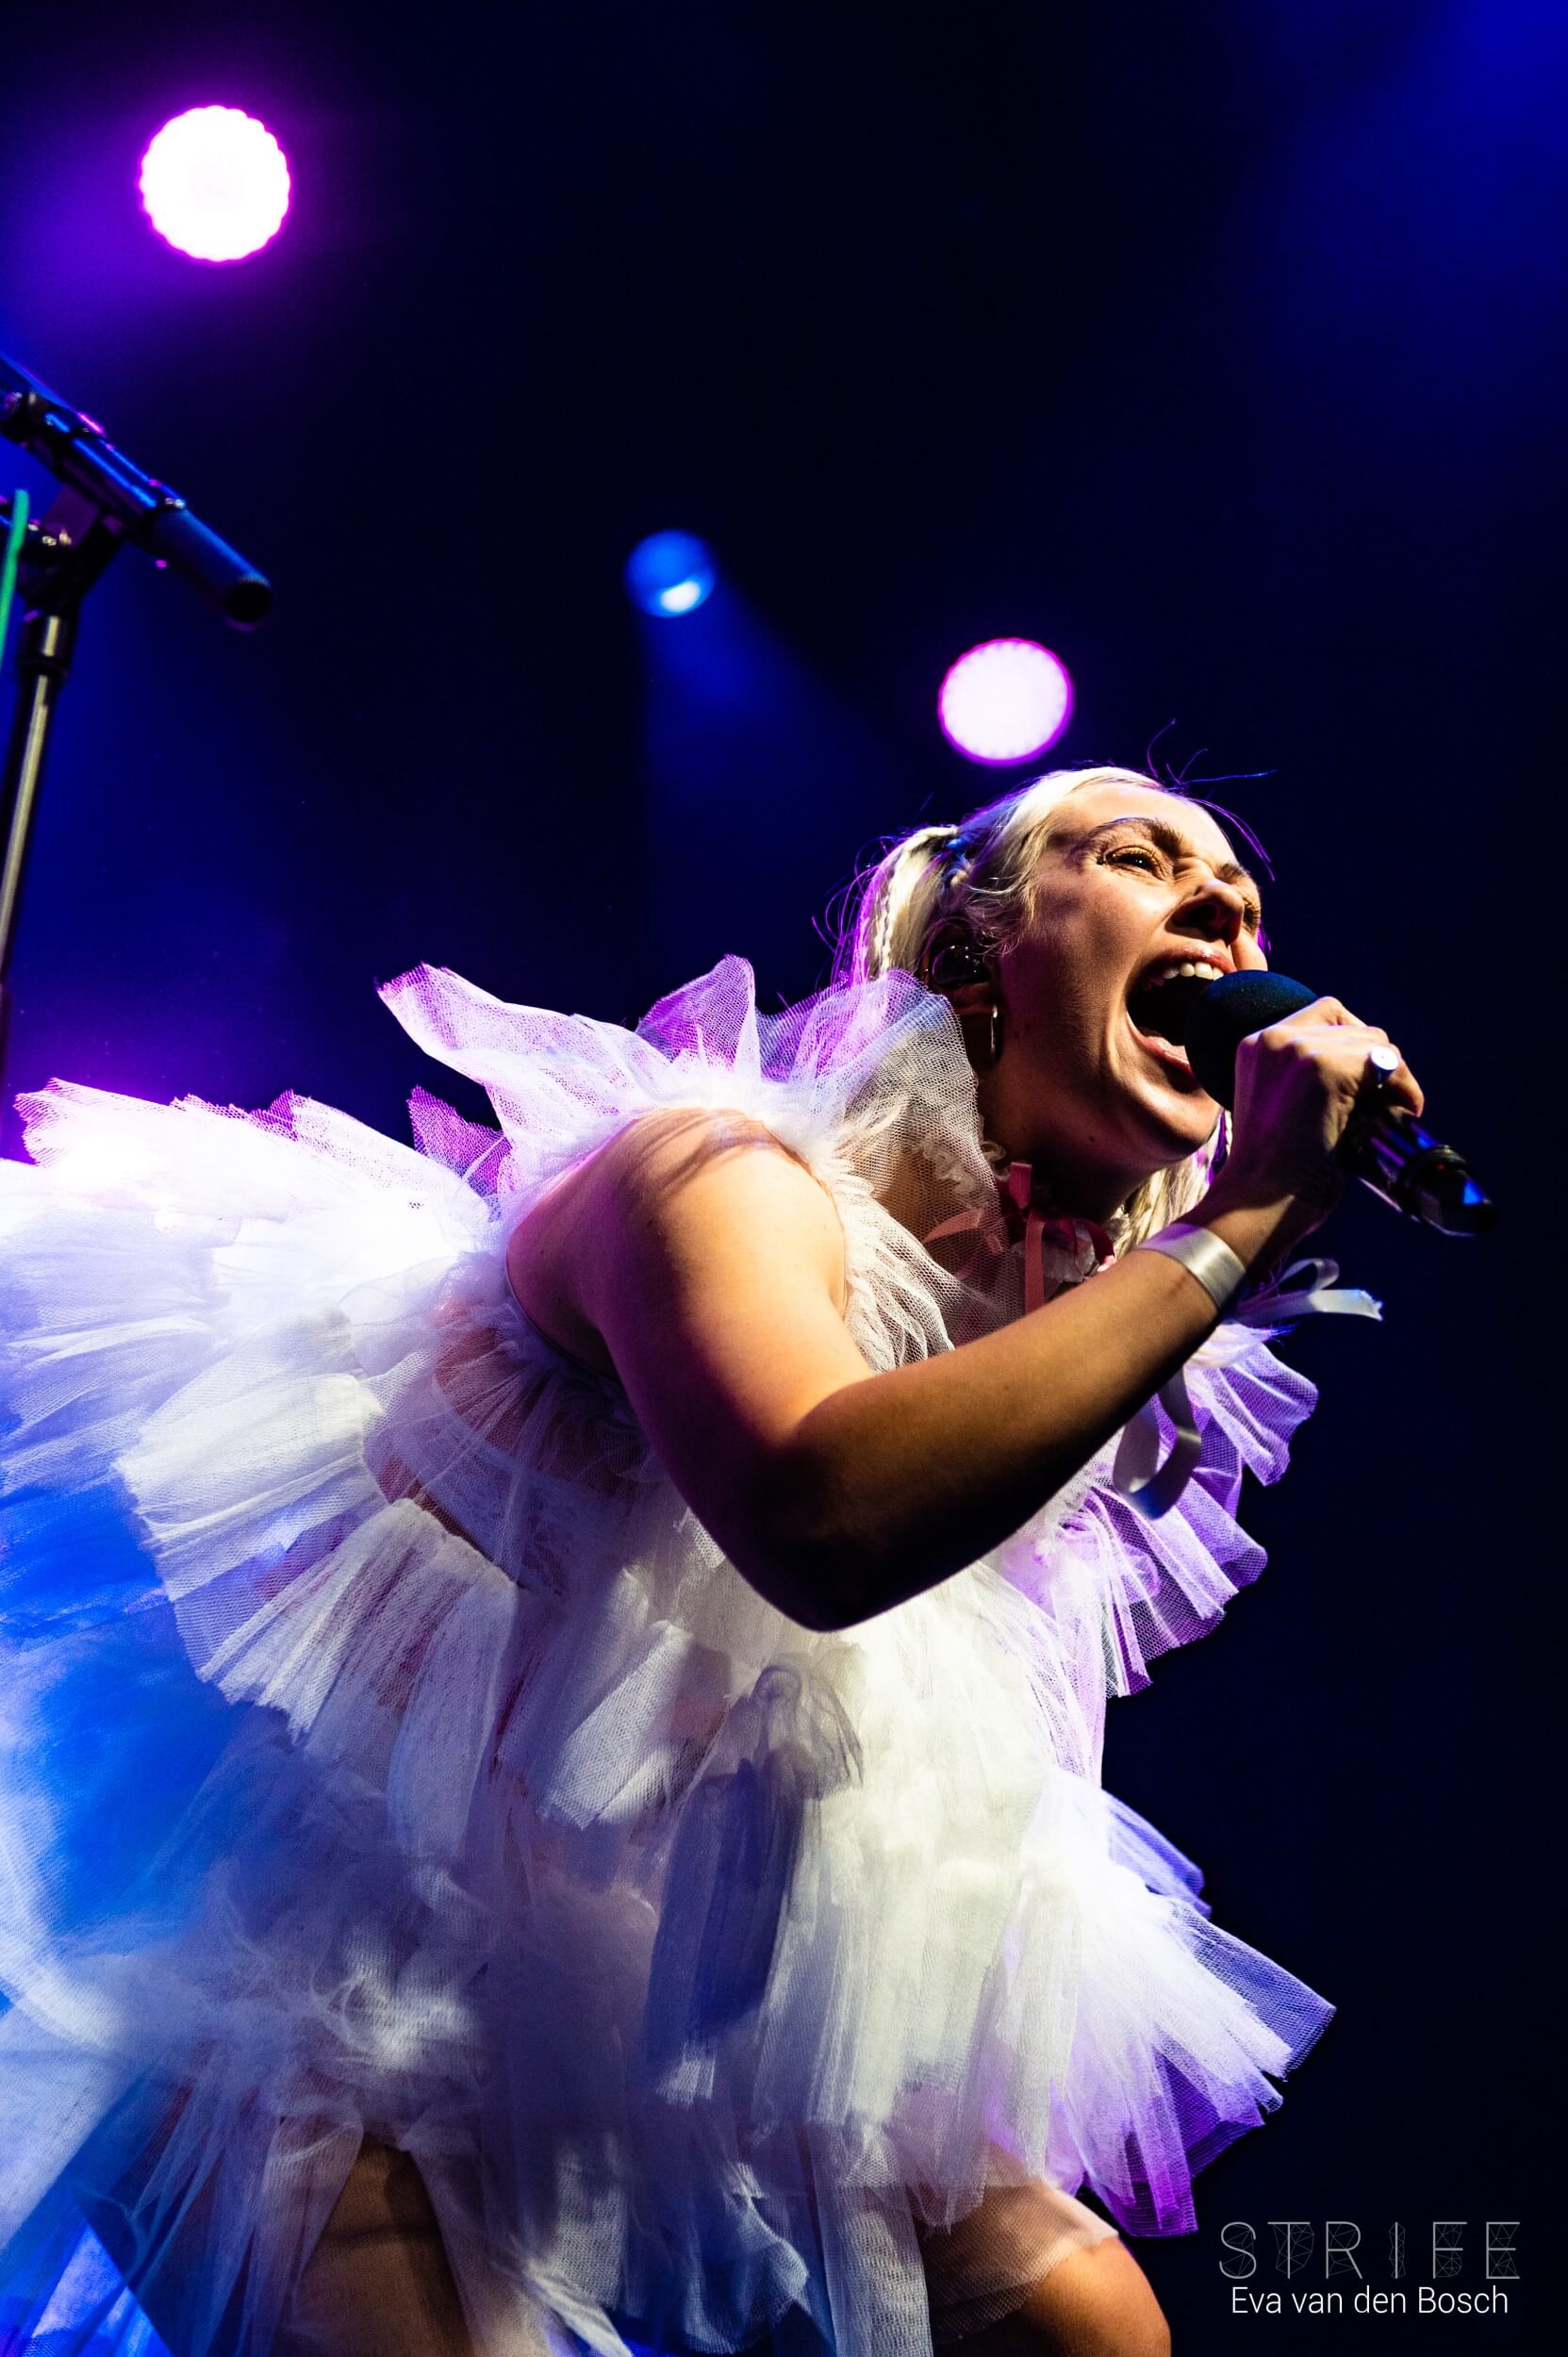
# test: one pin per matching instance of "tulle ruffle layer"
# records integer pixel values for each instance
(389, 1750)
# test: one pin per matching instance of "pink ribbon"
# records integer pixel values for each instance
(1077, 1246)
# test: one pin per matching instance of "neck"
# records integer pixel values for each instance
(1076, 1197)
(1079, 1183)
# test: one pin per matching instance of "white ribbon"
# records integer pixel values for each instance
(1307, 1289)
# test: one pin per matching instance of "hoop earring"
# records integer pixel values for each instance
(984, 1047)
(953, 958)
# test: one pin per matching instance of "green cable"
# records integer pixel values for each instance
(14, 539)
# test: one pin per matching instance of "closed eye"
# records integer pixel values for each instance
(1165, 853)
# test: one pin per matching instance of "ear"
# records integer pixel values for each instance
(960, 969)
(957, 966)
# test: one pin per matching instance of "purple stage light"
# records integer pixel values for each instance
(1004, 701)
(215, 182)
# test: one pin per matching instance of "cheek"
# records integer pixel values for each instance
(1066, 989)
(1051, 988)
(1096, 937)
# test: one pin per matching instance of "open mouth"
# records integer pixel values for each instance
(1157, 1008)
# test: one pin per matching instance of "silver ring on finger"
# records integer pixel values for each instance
(1382, 1063)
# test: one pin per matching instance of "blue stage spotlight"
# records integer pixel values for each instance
(670, 573)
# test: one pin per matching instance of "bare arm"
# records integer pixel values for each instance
(705, 1265)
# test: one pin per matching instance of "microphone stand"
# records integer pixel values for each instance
(104, 502)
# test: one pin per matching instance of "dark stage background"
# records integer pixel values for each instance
(1222, 348)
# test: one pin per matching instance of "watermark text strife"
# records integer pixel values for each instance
(1444, 2250)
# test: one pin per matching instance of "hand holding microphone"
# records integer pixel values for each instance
(1318, 1096)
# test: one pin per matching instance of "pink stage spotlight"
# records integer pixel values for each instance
(1004, 701)
(215, 182)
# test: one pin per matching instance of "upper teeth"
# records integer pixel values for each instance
(1199, 969)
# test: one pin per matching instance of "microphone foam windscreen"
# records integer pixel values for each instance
(1229, 1011)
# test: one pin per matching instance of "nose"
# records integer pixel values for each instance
(1215, 910)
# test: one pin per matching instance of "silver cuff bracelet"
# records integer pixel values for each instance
(1204, 1255)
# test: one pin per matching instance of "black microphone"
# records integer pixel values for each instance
(1388, 1150)
(133, 506)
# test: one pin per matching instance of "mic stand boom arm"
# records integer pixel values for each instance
(104, 502)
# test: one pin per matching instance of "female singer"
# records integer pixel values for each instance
(555, 1680)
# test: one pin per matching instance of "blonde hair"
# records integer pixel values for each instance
(982, 874)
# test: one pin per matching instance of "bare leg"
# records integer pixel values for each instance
(378, 2284)
(1093, 2303)
(1085, 2298)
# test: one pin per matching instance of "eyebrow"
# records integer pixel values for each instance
(1175, 845)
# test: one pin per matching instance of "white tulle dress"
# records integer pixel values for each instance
(389, 1750)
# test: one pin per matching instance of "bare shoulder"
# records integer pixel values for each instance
(677, 1201)
(700, 1262)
